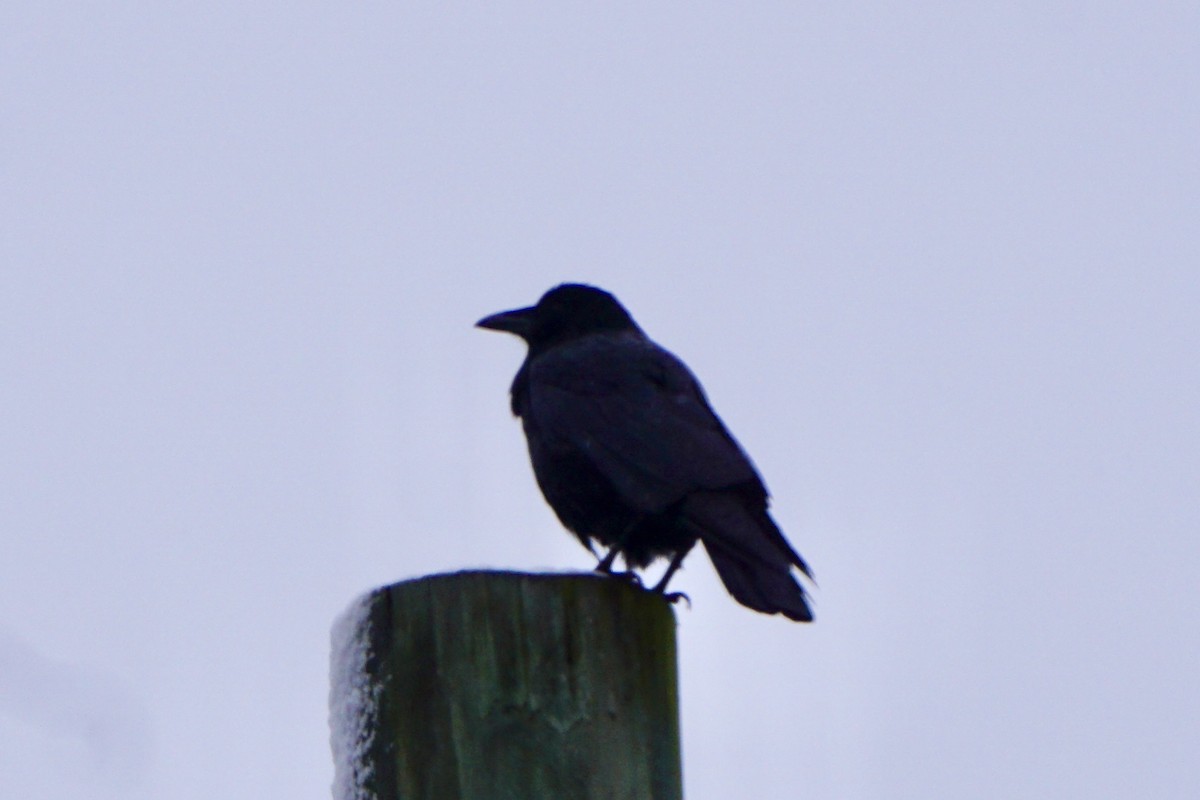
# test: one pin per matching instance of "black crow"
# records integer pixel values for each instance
(629, 454)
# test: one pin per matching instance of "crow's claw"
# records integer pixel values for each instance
(675, 597)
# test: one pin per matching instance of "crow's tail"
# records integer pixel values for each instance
(750, 554)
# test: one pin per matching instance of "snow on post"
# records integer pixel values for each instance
(352, 702)
(489, 685)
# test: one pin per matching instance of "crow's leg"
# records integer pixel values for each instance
(606, 563)
(661, 586)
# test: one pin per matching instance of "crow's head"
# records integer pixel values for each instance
(566, 312)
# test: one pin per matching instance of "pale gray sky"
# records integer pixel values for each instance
(938, 268)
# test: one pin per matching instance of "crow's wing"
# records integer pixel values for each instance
(637, 413)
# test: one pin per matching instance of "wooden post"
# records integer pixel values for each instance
(505, 685)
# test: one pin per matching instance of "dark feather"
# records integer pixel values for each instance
(628, 452)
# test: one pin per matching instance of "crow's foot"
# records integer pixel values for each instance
(630, 577)
(675, 597)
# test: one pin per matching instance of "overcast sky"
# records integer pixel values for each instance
(936, 265)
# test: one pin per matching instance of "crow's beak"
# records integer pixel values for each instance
(518, 321)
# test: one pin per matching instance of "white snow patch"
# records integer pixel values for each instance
(352, 702)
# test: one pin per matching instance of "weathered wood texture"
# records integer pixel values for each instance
(499, 685)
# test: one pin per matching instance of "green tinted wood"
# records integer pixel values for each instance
(500, 685)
